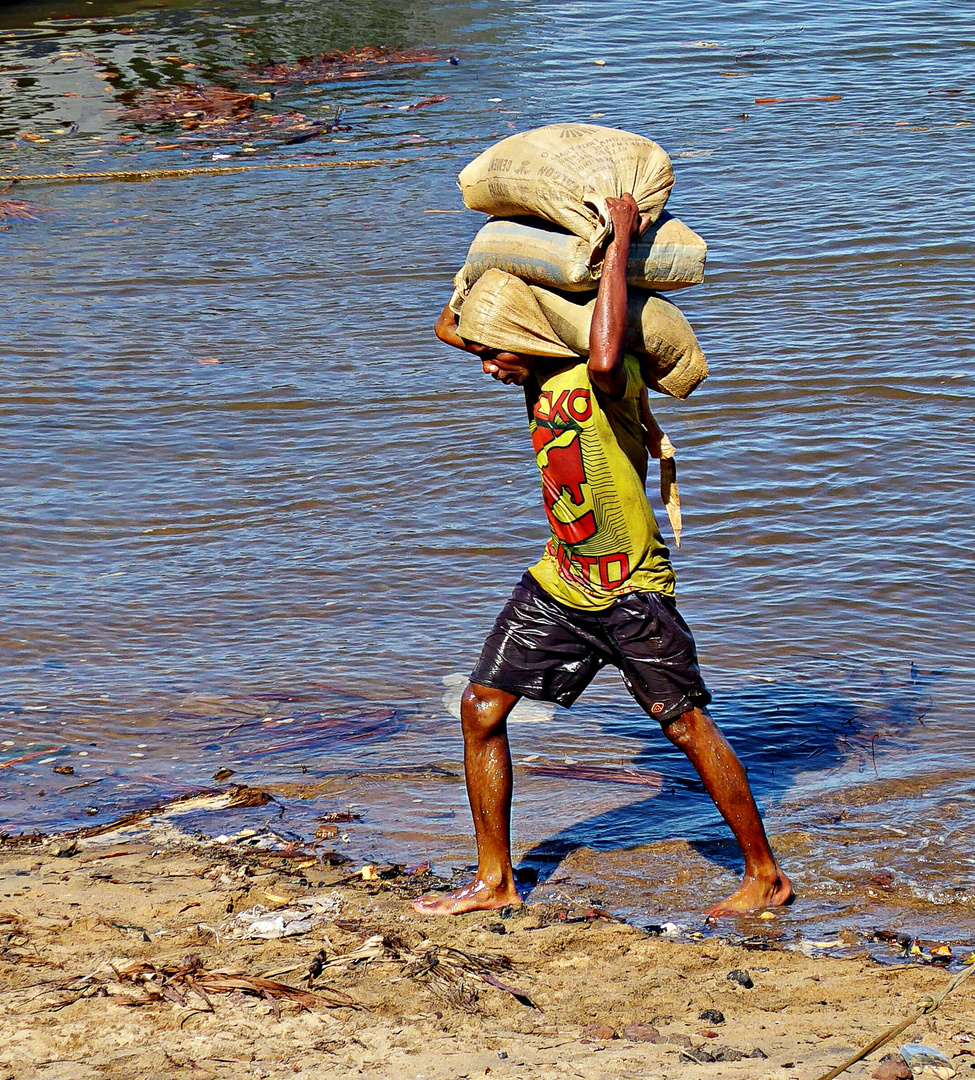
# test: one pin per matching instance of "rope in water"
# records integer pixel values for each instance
(926, 1005)
(214, 170)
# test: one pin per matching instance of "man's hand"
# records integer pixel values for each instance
(625, 216)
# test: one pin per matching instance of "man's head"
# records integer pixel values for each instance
(510, 368)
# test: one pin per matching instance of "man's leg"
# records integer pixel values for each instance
(487, 765)
(724, 778)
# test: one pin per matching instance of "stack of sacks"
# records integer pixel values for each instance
(547, 190)
(530, 279)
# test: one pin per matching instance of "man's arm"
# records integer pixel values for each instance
(446, 329)
(607, 334)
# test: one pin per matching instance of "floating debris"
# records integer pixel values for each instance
(203, 800)
(796, 100)
(29, 753)
(19, 210)
(424, 103)
(195, 103)
(335, 66)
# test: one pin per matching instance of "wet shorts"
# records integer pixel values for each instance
(545, 650)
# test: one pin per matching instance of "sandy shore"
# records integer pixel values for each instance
(110, 954)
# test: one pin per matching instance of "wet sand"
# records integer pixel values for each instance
(100, 947)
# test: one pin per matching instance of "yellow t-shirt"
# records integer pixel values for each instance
(591, 454)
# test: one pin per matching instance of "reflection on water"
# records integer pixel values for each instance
(253, 515)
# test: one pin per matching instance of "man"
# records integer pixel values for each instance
(602, 593)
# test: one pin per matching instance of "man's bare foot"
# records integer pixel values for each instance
(477, 896)
(755, 894)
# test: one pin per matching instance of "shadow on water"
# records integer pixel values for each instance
(818, 721)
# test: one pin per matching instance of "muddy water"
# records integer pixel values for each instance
(256, 518)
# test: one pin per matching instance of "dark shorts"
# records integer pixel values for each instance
(545, 650)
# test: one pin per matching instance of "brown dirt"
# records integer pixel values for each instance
(100, 951)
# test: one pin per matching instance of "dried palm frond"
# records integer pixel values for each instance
(175, 981)
(189, 981)
(444, 969)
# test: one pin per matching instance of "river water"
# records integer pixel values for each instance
(255, 517)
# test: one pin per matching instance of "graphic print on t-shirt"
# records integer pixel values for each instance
(558, 451)
(592, 458)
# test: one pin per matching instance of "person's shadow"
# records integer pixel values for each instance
(836, 713)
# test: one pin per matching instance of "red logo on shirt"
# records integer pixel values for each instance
(559, 456)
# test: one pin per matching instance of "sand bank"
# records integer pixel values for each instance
(130, 956)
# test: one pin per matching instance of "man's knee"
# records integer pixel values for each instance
(483, 710)
(688, 728)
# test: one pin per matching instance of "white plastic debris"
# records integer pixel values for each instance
(304, 915)
(927, 1061)
(808, 947)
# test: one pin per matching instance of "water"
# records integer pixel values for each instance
(254, 515)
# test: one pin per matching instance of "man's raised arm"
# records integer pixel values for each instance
(607, 334)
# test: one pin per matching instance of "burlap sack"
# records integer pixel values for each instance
(564, 173)
(669, 255)
(505, 313)
(500, 311)
(656, 329)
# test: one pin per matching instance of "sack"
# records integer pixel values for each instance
(503, 312)
(669, 255)
(672, 361)
(564, 173)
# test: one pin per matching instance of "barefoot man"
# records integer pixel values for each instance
(601, 593)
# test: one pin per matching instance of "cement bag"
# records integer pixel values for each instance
(501, 312)
(669, 255)
(656, 330)
(564, 174)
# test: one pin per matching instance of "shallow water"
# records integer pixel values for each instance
(254, 515)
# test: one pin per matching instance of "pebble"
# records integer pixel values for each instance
(713, 1016)
(727, 1053)
(741, 977)
(641, 1033)
(892, 1067)
(719, 1053)
(598, 1032)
